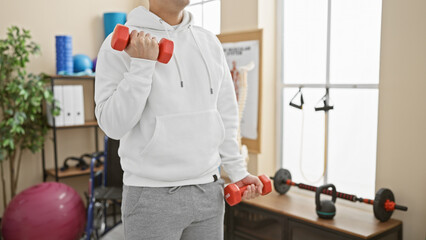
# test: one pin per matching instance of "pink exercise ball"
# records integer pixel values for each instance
(46, 211)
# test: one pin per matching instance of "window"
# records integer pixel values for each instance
(330, 46)
(206, 14)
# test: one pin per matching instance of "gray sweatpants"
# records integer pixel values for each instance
(193, 212)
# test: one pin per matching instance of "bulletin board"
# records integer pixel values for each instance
(242, 48)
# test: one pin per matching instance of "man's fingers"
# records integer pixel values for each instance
(245, 194)
(259, 191)
(133, 34)
(254, 187)
(252, 192)
(249, 191)
(141, 35)
(260, 187)
(258, 182)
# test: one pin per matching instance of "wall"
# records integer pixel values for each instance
(259, 14)
(233, 20)
(401, 153)
(267, 21)
(45, 19)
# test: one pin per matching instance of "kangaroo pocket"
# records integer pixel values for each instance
(183, 146)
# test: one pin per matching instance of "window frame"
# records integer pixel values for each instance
(280, 85)
(202, 2)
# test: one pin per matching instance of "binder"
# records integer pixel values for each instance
(68, 93)
(78, 100)
(58, 96)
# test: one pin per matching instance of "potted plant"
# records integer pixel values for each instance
(22, 123)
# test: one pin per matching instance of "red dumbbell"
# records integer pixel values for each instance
(233, 193)
(121, 37)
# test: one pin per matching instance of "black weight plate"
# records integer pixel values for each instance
(280, 178)
(379, 204)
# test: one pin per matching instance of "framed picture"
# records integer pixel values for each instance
(243, 49)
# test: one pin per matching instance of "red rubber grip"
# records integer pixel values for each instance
(307, 187)
(166, 50)
(120, 37)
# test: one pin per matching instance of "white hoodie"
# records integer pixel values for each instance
(176, 122)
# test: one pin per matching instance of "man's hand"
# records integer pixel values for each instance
(142, 45)
(254, 188)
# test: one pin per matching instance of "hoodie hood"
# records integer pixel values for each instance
(143, 18)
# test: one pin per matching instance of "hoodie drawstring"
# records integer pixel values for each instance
(201, 189)
(202, 56)
(177, 64)
(173, 190)
(199, 49)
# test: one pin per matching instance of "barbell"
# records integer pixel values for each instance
(383, 204)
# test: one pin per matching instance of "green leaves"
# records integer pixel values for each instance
(15, 51)
(21, 95)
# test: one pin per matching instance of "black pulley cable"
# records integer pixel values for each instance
(302, 129)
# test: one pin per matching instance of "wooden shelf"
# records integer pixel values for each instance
(86, 124)
(268, 232)
(71, 172)
(69, 77)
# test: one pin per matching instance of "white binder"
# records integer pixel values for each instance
(78, 101)
(68, 91)
(58, 96)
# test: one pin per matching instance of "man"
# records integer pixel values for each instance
(177, 123)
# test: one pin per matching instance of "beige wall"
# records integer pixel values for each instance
(259, 14)
(401, 162)
(267, 21)
(238, 15)
(45, 19)
(235, 20)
